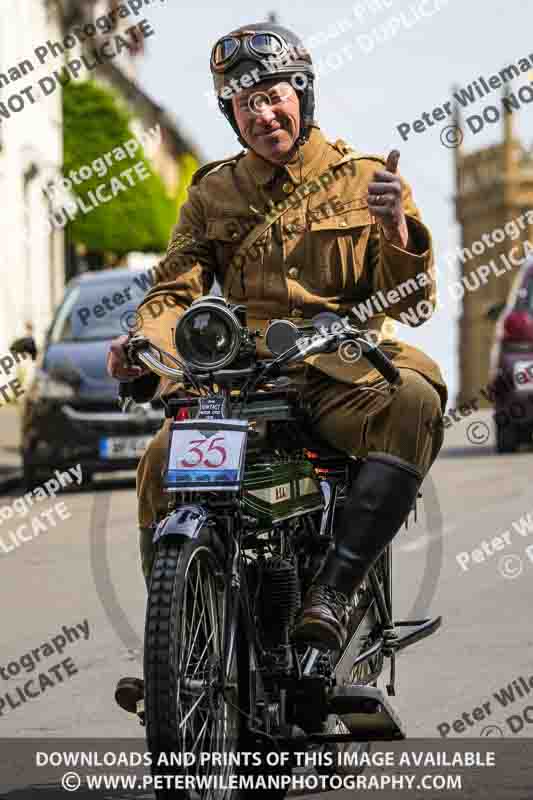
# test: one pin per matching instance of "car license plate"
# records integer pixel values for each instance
(525, 370)
(124, 446)
(206, 454)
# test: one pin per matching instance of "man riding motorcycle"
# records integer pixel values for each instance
(292, 226)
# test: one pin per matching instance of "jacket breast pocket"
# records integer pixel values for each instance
(335, 250)
(227, 235)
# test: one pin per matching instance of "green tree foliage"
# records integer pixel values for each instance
(138, 219)
(188, 164)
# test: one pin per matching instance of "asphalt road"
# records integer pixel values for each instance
(83, 573)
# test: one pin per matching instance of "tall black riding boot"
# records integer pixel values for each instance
(380, 500)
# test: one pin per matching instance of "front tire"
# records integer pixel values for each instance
(191, 705)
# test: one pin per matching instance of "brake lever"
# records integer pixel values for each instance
(125, 400)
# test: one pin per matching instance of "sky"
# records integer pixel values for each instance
(380, 63)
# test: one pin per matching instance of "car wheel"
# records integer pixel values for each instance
(29, 474)
(87, 479)
(506, 439)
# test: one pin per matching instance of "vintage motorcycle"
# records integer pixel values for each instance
(253, 498)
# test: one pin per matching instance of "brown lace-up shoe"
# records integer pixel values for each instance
(323, 620)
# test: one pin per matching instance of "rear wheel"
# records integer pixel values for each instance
(364, 623)
(368, 671)
(191, 699)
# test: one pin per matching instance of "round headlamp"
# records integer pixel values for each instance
(208, 335)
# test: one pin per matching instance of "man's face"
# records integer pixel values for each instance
(268, 116)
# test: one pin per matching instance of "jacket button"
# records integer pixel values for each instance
(343, 223)
(288, 187)
(297, 312)
(294, 272)
(235, 235)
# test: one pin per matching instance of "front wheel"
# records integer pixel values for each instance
(191, 698)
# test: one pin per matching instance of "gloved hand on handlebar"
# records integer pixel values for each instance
(118, 363)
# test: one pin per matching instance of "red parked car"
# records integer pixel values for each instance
(511, 371)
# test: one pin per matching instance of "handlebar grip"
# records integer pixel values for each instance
(383, 364)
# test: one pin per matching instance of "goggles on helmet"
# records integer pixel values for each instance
(256, 44)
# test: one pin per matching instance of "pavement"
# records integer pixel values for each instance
(10, 463)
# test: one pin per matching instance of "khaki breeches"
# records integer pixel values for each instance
(355, 419)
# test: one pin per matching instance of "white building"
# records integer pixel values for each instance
(36, 42)
(31, 141)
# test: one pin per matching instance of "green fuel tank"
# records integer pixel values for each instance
(277, 490)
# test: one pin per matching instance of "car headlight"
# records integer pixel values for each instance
(208, 334)
(47, 388)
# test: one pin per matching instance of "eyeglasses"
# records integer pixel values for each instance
(258, 43)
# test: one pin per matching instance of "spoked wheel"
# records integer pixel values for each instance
(190, 696)
(342, 754)
(368, 671)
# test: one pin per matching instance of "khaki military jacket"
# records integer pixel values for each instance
(323, 254)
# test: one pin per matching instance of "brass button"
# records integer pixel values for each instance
(288, 187)
(343, 223)
(235, 235)
(294, 272)
(296, 312)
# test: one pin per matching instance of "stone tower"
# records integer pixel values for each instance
(494, 186)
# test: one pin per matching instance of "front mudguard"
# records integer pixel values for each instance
(187, 523)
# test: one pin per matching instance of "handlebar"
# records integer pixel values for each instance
(383, 364)
(157, 366)
(141, 350)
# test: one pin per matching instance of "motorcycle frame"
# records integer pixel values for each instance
(237, 610)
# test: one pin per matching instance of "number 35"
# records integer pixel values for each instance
(201, 454)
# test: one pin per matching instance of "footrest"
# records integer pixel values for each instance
(366, 713)
(421, 629)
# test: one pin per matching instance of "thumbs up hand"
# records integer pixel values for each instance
(385, 202)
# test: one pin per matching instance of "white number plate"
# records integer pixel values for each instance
(124, 446)
(525, 370)
(206, 454)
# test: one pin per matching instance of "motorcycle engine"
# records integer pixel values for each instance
(278, 598)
